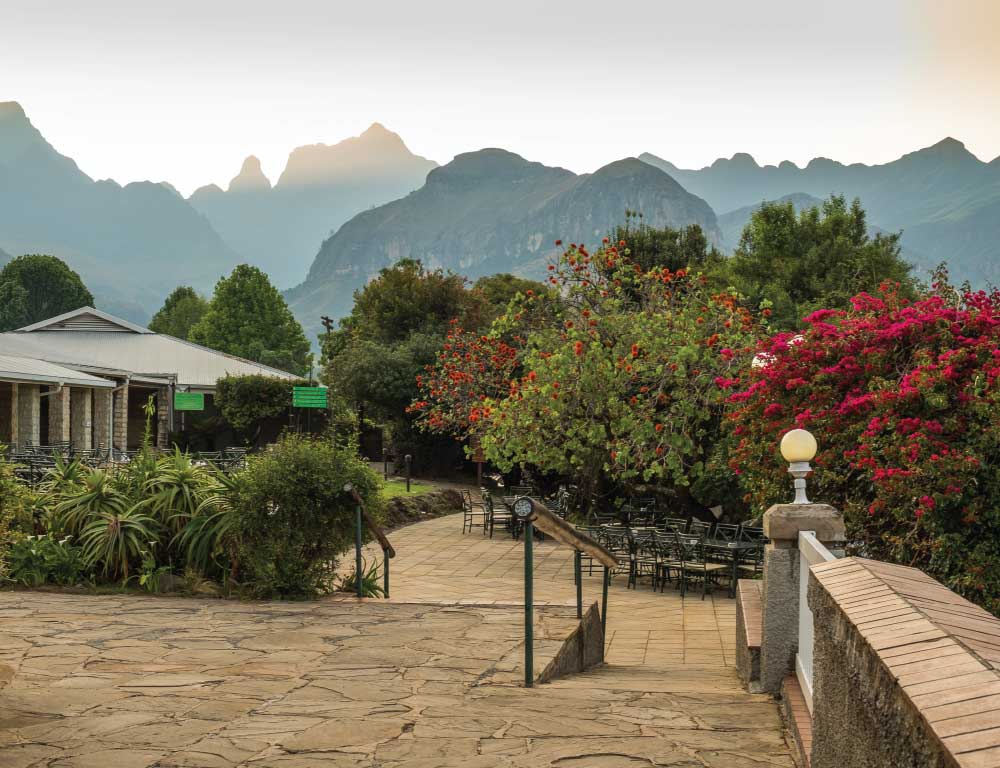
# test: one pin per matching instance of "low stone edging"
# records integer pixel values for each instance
(583, 649)
(404, 510)
(748, 631)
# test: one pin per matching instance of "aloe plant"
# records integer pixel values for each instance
(98, 495)
(208, 539)
(175, 490)
(64, 478)
(370, 583)
(115, 540)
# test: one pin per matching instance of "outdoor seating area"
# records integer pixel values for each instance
(32, 462)
(660, 551)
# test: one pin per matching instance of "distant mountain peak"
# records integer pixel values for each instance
(948, 144)
(250, 178)
(11, 110)
(377, 150)
(740, 160)
(376, 129)
(490, 163)
(946, 150)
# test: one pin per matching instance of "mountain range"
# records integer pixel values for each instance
(280, 228)
(492, 211)
(338, 213)
(945, 200)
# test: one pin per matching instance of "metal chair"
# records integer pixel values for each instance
(472, 511)
(699, 529)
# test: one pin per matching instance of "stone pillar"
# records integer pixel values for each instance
(121, 419)
(163, 417)
(8, 414)
(81, 418)
(102, 419)
(28, 415)
(780, 598)
(59, 416)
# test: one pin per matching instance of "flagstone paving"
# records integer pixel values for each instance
(419, 681)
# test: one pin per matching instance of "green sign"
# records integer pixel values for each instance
(189, 401)
(309, 397)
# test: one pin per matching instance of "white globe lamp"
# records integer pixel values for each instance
(798, 447)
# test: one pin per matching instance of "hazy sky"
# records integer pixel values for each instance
(182, 91)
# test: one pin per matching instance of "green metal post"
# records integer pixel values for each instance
(529, 627)
(357, 548)
(385, 575)
(578, 573)
(604, 603)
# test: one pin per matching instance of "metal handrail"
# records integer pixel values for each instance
(388, 551)
(536, 514)
(567, 534)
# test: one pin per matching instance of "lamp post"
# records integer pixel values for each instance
(798, 447)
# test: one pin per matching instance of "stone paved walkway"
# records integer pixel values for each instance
(420, 682)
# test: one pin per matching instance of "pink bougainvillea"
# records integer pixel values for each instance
(903, 398)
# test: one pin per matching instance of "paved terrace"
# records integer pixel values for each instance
(427, 680)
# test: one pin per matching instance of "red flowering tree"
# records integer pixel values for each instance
(618, 376)
(903, 400)
(472, 373)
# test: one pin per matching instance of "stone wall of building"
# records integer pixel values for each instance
(121, 418)
(59, 416)
(163, 417)
(81, 418)
(101, 418)
(28, 414)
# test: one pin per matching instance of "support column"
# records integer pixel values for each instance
(102, 419)
(121, 419)
(163, 418)
(59, 416)
(81, 418)
(28, 414)
(780, 594)
(8, 414)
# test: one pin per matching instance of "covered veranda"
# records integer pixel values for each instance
(42, 403)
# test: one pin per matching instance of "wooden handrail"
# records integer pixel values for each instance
(377, 532)
(567, 533)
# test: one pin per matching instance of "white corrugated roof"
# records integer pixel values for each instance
(30, 370)
(139, 352)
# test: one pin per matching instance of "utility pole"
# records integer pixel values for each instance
(327, 322)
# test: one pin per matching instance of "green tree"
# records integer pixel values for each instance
(405, 298)
(249, 318)
(13, 306)
(180, 312)
(397, 325)
(794, 264)
(621, 373)
(497, 291)
(36, 287)
(659, 247)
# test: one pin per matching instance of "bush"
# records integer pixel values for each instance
(16, 508)
(903, 398)
(295, 518)
(37, 560)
